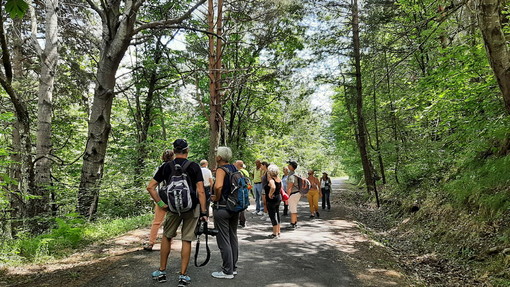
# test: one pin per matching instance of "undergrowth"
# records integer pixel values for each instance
(70, 234)
(462, 220)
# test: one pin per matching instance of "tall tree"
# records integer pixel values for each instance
(489, 18)
(360, 118)
(22, 142)
(216, 115)
(48, 57)
(118, 19)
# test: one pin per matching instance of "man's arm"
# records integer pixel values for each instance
(202, 199)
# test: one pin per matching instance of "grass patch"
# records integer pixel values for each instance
(70, 234)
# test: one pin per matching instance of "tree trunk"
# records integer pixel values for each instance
(215, 51)
(23, 167)
(362, 137)
(118, 25)
(48, 58)
(377, 136)
(117, 34)
(489, 18)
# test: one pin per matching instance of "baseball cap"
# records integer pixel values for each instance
(293, 163)
(180, 144)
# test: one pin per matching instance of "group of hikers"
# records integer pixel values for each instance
(267, 187)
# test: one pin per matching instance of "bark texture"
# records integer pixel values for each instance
(489, 19)
(215, 52)
(49, 59)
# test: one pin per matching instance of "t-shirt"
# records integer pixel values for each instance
(207, 174)
(292, 179)
(284, 182)
(257, 175)
(244, 172)
(193, 171)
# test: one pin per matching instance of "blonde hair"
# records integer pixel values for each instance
(273, 170)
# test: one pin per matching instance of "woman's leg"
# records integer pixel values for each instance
(316, 201)
(159, 216)
(328, 195)
(223, 238)
(310, 202)
(323, 198)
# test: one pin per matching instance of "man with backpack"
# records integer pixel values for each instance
(230, 197)
(186, 201)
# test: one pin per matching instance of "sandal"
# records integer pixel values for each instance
(147, 246)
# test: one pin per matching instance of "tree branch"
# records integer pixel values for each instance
(169, 22)
(33, 34)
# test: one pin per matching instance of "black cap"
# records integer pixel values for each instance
(292, 163)
(180, 144)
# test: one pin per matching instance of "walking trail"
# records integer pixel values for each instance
(330, 251)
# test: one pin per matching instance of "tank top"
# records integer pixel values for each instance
(277, 195)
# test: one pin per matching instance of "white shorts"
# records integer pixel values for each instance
(293, 202)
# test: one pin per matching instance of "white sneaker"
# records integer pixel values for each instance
(235, 273)
(268, 219)
(263, 217)
(255, 212)
(221, 275)
(260, 213)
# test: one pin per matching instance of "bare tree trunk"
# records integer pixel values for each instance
(24, 172)
(48, 58)
(215, 52)
(489, 18)
(393, 118)
(377, 137)
(362, 137)
(117, 34)
(118, 24)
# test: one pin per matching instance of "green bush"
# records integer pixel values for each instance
(70, 233)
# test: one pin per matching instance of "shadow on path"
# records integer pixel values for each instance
(329, 251)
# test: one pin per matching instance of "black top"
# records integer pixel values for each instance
(277, 195)
(225, 190)
(193, 171)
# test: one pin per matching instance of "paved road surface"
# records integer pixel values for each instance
(308, 256)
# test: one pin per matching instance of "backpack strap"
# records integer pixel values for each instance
(187, 163)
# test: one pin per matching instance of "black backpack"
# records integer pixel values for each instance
(179, 193)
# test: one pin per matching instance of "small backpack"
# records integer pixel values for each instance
(303, 184)
(238, 199)
(178, 193)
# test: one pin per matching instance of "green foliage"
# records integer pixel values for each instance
(16, 8)
(70, 233)
(483, 186)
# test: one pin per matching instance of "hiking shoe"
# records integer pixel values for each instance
(184, 280)
(159, 275)
(221, 275)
